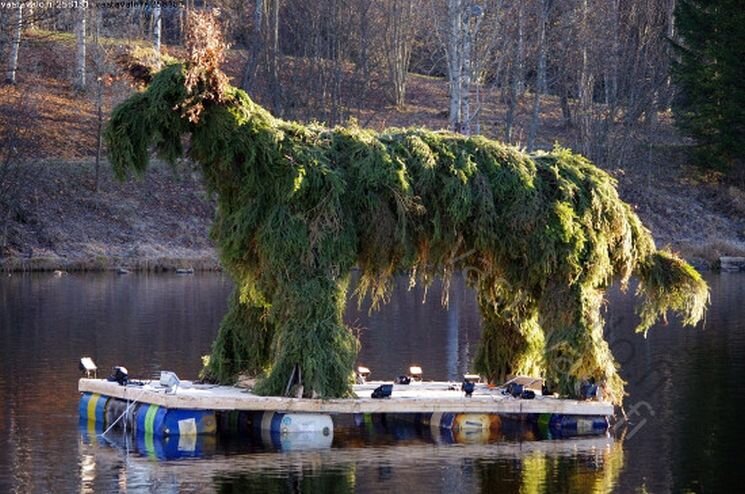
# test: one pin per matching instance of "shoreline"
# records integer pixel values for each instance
(160, 222)
(198, 263)
(97, 265)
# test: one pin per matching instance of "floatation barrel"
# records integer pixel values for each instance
(92, 408)
(557, 426)
(296, 422)
(446, 427)
(294, 431)
(161, 422)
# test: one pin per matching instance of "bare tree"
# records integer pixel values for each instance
(517, 77)
(255, 47)
(276, 88)
(99, 69)
(540, 85)
(586, 81)
(15, 45)
(80, 50)
(400, 27)
(464, 18)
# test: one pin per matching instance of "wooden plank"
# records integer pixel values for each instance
(424, 398)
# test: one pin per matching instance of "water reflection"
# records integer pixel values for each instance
(357, 461)
(686, 398)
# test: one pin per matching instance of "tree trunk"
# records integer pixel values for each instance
(156, 28)
(455, 62)
(274, 64)
(540, 88)
(99, 66)
(10, 77)
(518, 75)
(611, 67)
(586, 85)
(80, 51)
(566, 110)
(99, 129)
(257, 41)
(471, 27)
(399, 26)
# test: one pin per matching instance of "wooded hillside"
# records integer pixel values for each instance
(593, 76)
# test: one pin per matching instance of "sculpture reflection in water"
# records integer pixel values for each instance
(395, 454)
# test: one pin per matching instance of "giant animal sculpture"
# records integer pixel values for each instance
(539, 236)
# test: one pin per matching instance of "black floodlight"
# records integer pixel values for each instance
(383, 391)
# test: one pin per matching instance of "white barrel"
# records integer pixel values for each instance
(296, 422)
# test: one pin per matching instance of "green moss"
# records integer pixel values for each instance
(539, 236)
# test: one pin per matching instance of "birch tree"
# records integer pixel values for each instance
(156, 27)
(540, 85)
(15, 45)
(80, 50)
(464, 17)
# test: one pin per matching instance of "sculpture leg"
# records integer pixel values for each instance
(576, 349)
(243, 343)
(511, 341)
(313, 350)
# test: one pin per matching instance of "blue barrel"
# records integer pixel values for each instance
(160, 422)
(295, 422)
(92, 407)
(441, 420)
(577, 425)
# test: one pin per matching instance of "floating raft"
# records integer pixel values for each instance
(209, 409)
(423, 397)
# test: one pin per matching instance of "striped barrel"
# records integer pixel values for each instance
(159, 421)
(92, 408)
(294, 431)
(296, 422)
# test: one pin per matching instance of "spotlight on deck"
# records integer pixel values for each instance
(362, 373)
(169, 380)
(415, 372)
(119, 375)
(471, 378)
(88, 366)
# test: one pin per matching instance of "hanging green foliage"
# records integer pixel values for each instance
(540, 237)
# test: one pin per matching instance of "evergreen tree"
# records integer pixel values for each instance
(710, 73)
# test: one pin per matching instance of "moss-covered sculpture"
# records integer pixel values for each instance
(539, 237)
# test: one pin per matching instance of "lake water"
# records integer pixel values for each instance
(686, 401)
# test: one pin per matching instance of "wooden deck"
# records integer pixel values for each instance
(424, 397)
